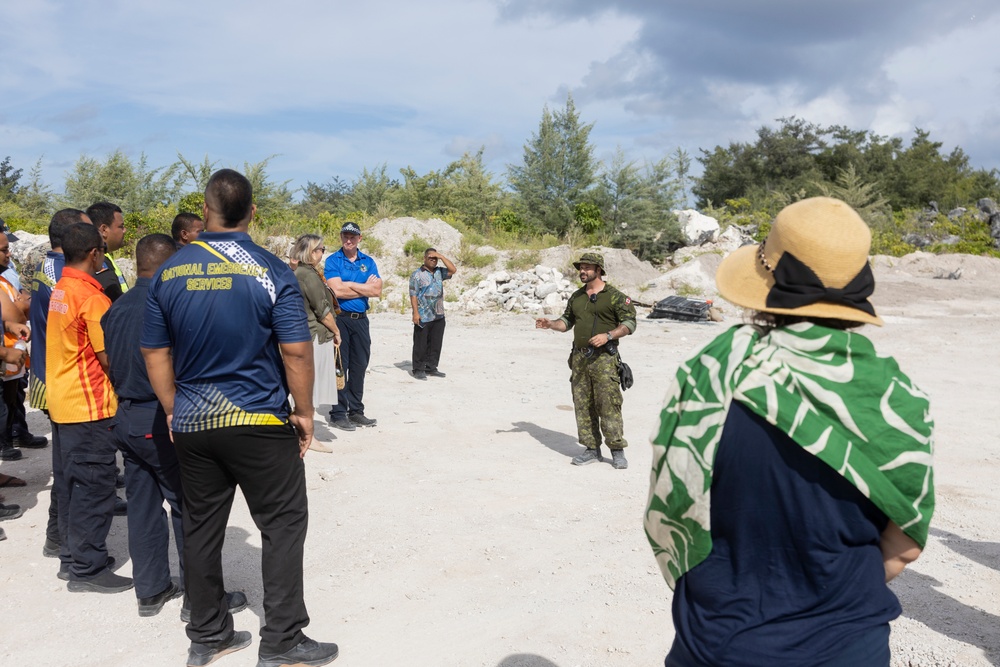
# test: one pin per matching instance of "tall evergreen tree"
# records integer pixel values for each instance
(558, 170)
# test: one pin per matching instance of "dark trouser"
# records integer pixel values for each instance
(264, 462)
(427, 339)
(13, 398)
(88, 478)
(55, 530)
(152, 475)
(355, 350)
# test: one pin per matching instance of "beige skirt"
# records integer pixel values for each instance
(325, 384)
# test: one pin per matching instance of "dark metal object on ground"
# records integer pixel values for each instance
(681, 308)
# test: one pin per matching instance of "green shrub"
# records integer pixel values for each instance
(415, 247)
(469, 256)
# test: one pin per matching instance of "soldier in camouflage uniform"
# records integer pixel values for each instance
(599, 315)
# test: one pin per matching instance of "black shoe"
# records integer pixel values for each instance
(51, 549)
(344, 424)
(618, 459)
(106, 582)
(9, 453)
(3, 535)
(359, 419)
(8, 512)
(29, 441)
(588, 457)
(120, 481)
(436, 373)
(236, 600)
(204, 654)
(151, 606)
(121, 507)
(308, 652)
(419, 375)
(63, 575)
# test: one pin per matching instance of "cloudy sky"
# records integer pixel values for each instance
(330, 87)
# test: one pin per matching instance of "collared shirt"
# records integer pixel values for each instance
(428, 287)
(588, 318)
(359, 271)
(112, 279)
(78, 389)
(48, 271)
(223, 304)
(122, 326)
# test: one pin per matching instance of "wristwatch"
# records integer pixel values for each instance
(610, 337)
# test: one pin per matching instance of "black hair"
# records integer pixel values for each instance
(429, 250)
(78, 240)
(151, 251)
(103, 213)
(182, 222)
(60, 221)
(230, 195)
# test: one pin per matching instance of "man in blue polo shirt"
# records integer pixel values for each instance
(226, 341)
(353, 277)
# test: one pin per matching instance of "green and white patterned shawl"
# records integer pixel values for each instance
(828, 390)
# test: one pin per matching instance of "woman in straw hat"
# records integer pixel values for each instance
(792, 472)
(321, 309)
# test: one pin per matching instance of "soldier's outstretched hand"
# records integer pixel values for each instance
(543, 323)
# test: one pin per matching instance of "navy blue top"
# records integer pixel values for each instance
(795, 572)
(223, 304)
(122, 326)
(47, 274)
(359, 271)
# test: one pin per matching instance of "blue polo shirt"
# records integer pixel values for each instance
(359, 271)
(223, 304)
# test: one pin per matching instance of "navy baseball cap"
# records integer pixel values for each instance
(350, 228)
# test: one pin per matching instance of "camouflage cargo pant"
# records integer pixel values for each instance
(597, 398)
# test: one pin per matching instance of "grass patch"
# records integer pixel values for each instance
(468, 255)
(524, 259)
(686, 290)
(415, 246)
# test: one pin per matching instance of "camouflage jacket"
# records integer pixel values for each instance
(588, 318)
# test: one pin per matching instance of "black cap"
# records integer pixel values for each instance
(350, 228)
(6, 230)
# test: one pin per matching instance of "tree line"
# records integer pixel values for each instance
(560, 191)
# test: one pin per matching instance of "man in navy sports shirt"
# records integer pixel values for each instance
(226, 341)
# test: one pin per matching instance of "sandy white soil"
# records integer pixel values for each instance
(456, 533)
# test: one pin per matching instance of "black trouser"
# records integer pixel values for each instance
(13, 398)
(87, 501)
(427, 339)
(152, 475)
(55, 530)
(264, 462)
(355, 351)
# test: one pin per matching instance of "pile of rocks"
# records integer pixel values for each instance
(542, 290)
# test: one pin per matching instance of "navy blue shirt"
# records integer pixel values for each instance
(795, 575)
(47, 274)
(359, 271)
(122, 326)
(223, 304)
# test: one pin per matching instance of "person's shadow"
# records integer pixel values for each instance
(526, 660)
(557, 441)
(984, 553)
(942, 613)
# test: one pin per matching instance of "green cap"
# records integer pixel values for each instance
(594, 258)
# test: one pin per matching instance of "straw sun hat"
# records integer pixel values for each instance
(814, 263)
